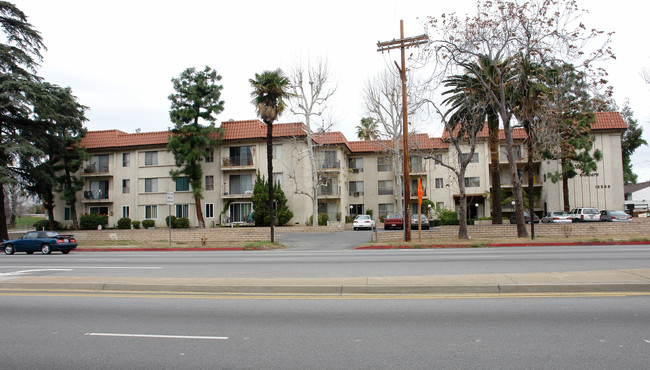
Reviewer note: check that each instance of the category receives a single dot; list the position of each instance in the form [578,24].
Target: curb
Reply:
[332,289]
[433,246]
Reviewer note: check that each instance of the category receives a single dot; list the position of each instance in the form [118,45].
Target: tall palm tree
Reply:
[470,83]
[270,88]
[368,129]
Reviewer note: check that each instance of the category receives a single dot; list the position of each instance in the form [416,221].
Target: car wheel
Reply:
[65,251]
[355,229]
[46,249]
[9,249]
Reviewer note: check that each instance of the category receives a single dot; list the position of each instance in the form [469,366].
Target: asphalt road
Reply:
[348,239]
[341,263]
[88,332]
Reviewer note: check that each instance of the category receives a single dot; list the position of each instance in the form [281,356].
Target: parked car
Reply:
[363,222]
[556,217]
[584,214]
[394,221]
[44,241]
[513,218]
[614,216]
[424,220]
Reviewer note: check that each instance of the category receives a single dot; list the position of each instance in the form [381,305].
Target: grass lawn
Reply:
[27,222]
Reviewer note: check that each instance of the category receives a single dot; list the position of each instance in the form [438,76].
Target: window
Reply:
[356,188]
[516,152]
[416,164]
[67,214]
[126,211]
[356,209]
[440,183]
[241,184]
[98,163]
[98,211]
[437,158]
[385,187]
[384,164]
[126,186]
[356,165]
[327,159]
[150,185]
[98,190]
[209,155]
[182,210]
[241,212]
[240,156]
[277,151]
[440,205]
[209,182]
[126,159]
[150,158]
[474,157]
[182,184]
[472,182]
[385,208]
[209,210]
[277,178]
[150,212]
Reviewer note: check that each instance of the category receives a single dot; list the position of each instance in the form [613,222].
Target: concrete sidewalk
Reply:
[625,280]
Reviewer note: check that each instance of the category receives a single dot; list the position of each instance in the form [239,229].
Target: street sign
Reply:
[170,198]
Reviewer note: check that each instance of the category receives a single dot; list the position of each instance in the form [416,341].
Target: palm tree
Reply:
[269,90]
[470,83]
[368,129]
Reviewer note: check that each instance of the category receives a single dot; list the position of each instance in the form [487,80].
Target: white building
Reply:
[128,175]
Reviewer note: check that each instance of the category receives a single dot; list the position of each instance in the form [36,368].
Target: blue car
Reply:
[44,241]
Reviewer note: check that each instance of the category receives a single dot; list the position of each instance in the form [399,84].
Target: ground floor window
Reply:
[98,210]
[182,210]
[241,212]
[356,209]
[385,208]
[150,212]
[209,210]
[126,212]
[67,214]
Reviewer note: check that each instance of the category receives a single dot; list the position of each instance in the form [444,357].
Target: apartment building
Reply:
[127,175]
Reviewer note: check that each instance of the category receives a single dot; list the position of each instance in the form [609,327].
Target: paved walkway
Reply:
[625,280]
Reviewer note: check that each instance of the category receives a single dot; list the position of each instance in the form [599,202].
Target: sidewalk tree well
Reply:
[196,99]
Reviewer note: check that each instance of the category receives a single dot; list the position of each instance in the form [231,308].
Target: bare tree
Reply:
[383,100]
[505,33]
[310,94]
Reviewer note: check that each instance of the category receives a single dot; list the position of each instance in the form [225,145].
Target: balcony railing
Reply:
[329,191]
[95,168]
[330,165]
[96,194]
[239,190]
[237,161]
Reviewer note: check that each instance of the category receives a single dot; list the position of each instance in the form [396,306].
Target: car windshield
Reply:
[363,217]
[590,211]
[559,214]
[394,215]
[617,213]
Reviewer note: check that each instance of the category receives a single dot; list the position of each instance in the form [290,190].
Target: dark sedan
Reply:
[424,220]
[513,218]
[44,241]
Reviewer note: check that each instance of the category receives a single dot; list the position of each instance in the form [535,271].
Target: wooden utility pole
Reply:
[402,43]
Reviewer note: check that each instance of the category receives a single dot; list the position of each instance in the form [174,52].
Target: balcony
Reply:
[94,169]
[329,192]
[328,166]
[237,163]
[414,192]
[240,191]
[417,168]
[356,194]
[95,196]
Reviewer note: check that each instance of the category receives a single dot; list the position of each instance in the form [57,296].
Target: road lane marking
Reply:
[154,336]
[89,267]
[23,272]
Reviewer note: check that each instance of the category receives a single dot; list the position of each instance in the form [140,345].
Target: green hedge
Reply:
[92,221]
[124,223]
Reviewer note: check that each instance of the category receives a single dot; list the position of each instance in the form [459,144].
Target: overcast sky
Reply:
[119,56]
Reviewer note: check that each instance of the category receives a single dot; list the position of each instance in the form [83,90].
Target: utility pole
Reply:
[402,43]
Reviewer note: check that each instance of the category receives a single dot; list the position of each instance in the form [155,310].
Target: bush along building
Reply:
[128,175]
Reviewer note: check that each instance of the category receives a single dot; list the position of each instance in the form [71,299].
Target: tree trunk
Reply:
[531,190]
[462,211]
[71,202]
[199,212]
[495,176]
[269,166]
[4,233]
[314,176]
[49,206]
[516,183]
[565,188]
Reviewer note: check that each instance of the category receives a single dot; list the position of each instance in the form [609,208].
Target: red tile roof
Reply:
[256,129]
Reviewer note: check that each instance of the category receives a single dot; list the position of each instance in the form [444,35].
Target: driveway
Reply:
[348,239]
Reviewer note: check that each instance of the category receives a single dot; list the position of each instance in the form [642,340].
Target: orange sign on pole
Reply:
[419,209]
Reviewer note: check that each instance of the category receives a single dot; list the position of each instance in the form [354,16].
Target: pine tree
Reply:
[261,215]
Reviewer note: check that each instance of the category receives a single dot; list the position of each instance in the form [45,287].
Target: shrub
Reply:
[136,224]
[182,223]
[382,218]
[369,212]
[173,221]
[148,223]
[322,219]
[92,221]
[124,223]
[348,220]
[45,224]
